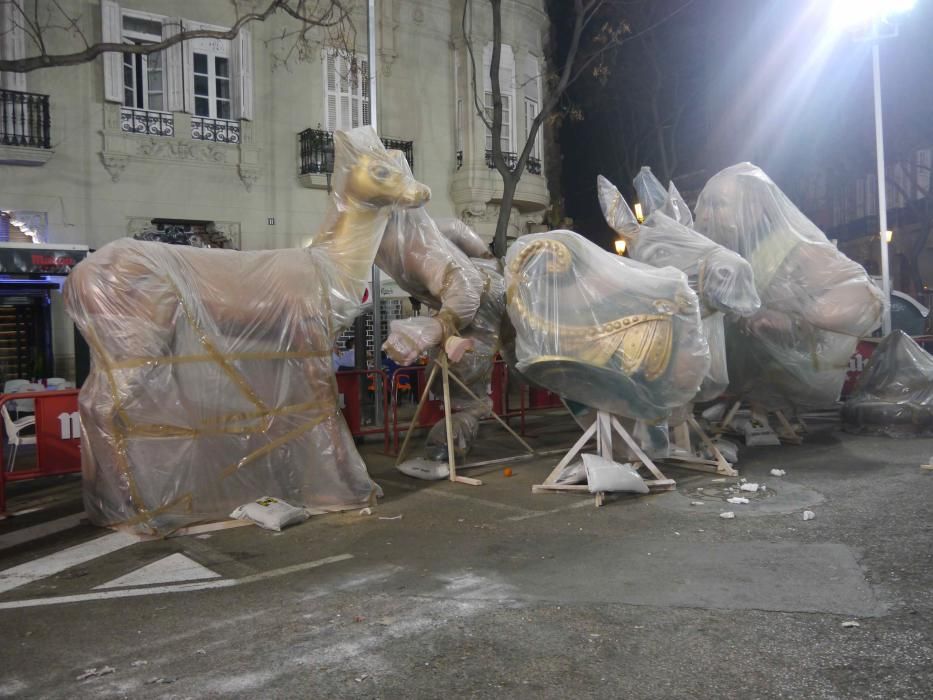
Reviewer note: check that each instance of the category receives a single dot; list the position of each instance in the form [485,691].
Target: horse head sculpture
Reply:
[722,279]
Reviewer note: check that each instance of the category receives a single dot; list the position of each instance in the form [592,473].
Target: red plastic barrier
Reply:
[58,437]
[349,386]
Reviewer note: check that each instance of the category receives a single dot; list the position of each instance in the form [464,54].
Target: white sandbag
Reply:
[270,513]
[605,475]
[427,469]
[574,473]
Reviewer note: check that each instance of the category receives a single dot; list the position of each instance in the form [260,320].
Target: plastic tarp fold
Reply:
[602,330]
[211,381]
[816,302]
[894,395]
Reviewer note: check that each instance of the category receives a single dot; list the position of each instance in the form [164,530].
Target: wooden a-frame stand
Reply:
[786,432]
[603,428]
[686,455]
[446,375]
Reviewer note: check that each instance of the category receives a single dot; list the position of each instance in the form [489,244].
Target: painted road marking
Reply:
[456,496]
[177,588]
[27,534]
[65,559]
[172,569]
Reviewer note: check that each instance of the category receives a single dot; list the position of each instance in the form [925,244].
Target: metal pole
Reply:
[882,199]
[374,121]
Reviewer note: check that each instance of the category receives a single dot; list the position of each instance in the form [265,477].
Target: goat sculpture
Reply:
[211,380]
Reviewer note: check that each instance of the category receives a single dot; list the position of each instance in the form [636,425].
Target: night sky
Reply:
[733,80]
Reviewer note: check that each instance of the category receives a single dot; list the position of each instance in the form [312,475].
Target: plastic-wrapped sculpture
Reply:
[721,278]
[211,381]
[604,331]
[447,267]
[815,301]
[894,395]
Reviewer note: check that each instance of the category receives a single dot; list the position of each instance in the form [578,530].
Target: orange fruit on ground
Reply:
[507,471]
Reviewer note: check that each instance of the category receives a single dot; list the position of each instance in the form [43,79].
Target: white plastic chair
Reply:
[55,383]
[27,405]
[11,386]
[13,429]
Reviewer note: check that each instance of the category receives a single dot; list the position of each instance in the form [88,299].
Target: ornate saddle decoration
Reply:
[638,343]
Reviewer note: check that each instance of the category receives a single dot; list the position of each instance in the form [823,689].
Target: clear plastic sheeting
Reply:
[798,272]
[816,302]
[653,198]
[602,330]
[211,381]
[433,270]
[721,277]
[431,261]
[894,395]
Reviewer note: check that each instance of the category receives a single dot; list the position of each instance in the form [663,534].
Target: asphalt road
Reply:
[492,592]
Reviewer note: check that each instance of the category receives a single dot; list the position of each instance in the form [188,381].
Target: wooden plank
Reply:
[414,421]
[467,480]
[445,380]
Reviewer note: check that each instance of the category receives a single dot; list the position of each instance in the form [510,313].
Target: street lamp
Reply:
[874,15]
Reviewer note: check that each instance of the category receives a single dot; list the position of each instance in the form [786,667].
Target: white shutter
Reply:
[365,113]
[187,70]
[12,45]
[173,67]
[111,30]
[243,75]
[330,90]
[507,85]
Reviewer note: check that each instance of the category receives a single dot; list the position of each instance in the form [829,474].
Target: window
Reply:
[142,74]
[532,90]
[12,45]
[210,78]
[507,88]
[346,88]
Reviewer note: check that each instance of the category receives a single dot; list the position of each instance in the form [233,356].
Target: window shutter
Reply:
[187,70]
[330,90]
[12,45]
[173,67]
[242,50]
[112,33]
[366,114]
[507,85]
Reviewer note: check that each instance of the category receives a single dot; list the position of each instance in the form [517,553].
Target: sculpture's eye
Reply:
[662,253]
[380,172]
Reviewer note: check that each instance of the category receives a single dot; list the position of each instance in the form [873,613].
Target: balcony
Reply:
[316,156]
[532,165]
[216,130]
[144,121]
[24,128]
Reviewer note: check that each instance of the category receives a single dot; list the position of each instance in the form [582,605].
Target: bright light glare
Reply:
[856,13]
[889,234]
[620,246]
[638,212]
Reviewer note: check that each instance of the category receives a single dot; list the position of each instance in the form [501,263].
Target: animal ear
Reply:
[615,209]
[676,207]
[651,193]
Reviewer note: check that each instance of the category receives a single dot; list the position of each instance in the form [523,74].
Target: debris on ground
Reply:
[270,513]
[778,472]
[96,673]
[851,623]
[698,503]
[737,500]
[749,487]
[507,472]
[394,517]
[160,681]
[808,515]
[366,511]
[359,618]
[362,678]
[137,664]
[728,515]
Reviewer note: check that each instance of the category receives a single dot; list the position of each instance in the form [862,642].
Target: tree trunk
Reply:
[500,241]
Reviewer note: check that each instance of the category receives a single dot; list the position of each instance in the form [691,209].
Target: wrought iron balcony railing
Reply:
[24,119]
[144,121]
[218,130]
[532,164]
[459,159]
[316,151]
